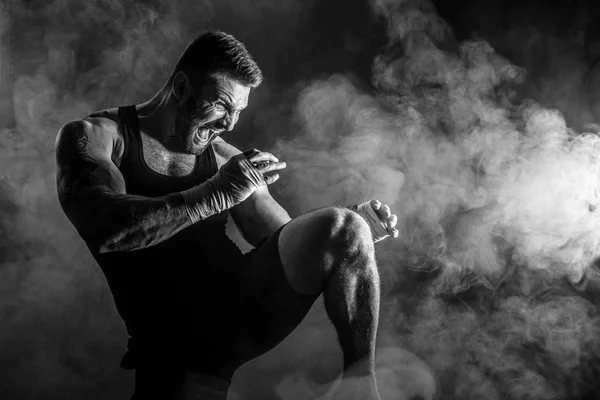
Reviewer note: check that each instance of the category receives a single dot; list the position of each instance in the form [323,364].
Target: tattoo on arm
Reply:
[92,193]
[78,170]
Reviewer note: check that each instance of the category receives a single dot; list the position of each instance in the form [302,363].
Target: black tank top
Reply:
[148,284]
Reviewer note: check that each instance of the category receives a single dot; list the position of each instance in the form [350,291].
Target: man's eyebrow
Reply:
[230,104]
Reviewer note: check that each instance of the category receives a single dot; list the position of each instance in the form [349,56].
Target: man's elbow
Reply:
[109,239]
[96,236]
[104,238]
[97,241]
[90,224]
[100,245]
[104,243]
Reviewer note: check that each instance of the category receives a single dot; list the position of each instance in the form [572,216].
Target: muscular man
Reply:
[149,187]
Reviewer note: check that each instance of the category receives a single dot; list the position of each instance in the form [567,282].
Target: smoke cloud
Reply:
[497,204]
[485,146]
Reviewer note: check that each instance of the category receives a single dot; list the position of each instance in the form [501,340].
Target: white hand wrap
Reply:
[206,199]
[378,230]
[233,183]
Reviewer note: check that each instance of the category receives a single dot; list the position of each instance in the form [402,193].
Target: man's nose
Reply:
[227,122]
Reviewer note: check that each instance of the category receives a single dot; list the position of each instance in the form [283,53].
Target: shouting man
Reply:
[149,188]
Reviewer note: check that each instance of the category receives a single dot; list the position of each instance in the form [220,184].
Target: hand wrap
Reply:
[233,183]
[378,230]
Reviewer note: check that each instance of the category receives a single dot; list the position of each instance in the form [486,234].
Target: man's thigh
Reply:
[270,308]
[253,307]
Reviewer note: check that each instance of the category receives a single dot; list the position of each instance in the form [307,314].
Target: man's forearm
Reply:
[254,230]
[259,217]
[120,222]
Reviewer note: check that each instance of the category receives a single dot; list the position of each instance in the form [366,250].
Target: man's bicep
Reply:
[84,169]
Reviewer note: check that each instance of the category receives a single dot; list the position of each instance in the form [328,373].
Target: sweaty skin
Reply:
[177,125]
[91,188]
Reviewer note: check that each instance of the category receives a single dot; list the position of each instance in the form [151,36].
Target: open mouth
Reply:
[205,135]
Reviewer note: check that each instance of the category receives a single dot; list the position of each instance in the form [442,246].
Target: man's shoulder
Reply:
[101,128]
[101,123]
[105,122]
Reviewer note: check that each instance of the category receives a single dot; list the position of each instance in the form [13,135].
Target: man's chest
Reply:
[165,162]
[148,171]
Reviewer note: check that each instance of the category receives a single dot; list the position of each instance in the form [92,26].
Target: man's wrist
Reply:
[378,229]
[205,200]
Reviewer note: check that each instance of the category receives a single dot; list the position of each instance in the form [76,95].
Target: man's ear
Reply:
[181,87]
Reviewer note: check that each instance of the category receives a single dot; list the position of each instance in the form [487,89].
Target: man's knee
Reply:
[315,245]
[346,234]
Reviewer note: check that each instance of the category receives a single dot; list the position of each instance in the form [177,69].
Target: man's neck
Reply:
[157,116]
[157,121]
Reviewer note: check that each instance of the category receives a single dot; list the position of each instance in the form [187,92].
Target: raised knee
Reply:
[348,233]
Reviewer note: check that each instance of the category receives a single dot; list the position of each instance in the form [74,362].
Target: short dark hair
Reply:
[219,52]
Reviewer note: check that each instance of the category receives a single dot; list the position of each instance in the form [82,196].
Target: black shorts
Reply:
[242,310]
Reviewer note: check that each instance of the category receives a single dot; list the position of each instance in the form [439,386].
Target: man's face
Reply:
[213,107]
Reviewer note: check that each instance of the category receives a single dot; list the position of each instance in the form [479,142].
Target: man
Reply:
[149,188]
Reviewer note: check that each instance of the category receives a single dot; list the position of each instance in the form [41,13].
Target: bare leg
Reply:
[330,251]
[352,303]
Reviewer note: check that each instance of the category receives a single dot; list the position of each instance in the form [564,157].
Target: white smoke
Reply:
[497,198]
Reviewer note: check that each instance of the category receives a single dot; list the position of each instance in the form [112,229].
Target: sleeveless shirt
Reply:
[151,286]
